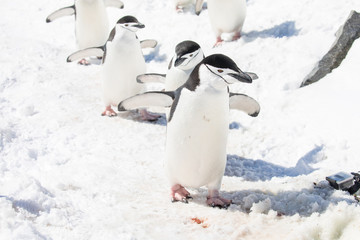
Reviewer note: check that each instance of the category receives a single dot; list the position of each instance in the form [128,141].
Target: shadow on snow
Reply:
[305,201]
[154,55]
[285,29]
[255,170]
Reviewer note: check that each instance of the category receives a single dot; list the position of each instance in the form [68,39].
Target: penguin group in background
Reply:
[197,128]
[226,16]
[123,61]
[91,21]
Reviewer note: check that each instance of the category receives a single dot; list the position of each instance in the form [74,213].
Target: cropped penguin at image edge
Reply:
[91,21]
[226,16]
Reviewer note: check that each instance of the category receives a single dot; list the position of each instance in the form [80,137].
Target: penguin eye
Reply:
[191,55]
[220,71]
[126,25]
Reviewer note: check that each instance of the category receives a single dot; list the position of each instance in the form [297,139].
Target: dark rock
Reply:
[346,35]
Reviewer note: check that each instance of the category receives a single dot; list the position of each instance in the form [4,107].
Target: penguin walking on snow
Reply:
[197,128]
[226,16]
[91,21]
[187,55]
[122,62]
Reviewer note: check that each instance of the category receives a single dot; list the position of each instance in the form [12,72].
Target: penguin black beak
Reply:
[242,77]
[179,61]
[139,25]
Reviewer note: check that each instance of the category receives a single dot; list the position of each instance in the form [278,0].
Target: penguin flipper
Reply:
[148,43]
[147,99]
[244,103]
[66,11]
[114,3]
[87,52]
[252,75]
[151,77]
[198,6]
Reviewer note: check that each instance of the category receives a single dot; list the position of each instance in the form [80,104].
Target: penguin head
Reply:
[226,69]
[130,23]
[217,71]
[187,55]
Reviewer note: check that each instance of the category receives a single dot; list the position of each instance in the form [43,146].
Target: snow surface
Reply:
[68,173]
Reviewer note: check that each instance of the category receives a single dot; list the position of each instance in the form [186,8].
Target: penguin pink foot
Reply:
[84,62]
[109,112]
[236,36]
[215,200]
[146,116]
[179,9]
[179,193]
[218,42]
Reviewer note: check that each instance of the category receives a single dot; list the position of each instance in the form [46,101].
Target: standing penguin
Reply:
[187,55]
[122,62]
[226,16]
[197,128]
[179,4]
[91,21]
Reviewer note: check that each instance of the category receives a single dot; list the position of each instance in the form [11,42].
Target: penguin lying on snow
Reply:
[91,21]
[122,62]
[197,127]
[226,16]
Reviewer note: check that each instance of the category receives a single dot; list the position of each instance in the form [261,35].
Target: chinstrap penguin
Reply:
[187,55]
[226,16]
[122,62]
[197,128]
[91,21]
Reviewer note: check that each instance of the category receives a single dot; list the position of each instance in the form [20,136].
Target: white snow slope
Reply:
[68,173]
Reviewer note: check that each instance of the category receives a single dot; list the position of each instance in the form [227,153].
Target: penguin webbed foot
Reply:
[214,200]
[236,36]
[179,9]
[218,42]
[147,116]
[84,62]
[218,202]
[180,194]
[184,199]
[109,112]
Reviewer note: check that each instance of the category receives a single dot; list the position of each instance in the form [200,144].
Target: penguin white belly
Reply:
[227,15]
[175,78]
[196,140]
[121,67]
[91,24]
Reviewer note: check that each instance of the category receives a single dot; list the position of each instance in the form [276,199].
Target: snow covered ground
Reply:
[68,173]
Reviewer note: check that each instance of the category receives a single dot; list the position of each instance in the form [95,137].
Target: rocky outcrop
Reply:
[346,35]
